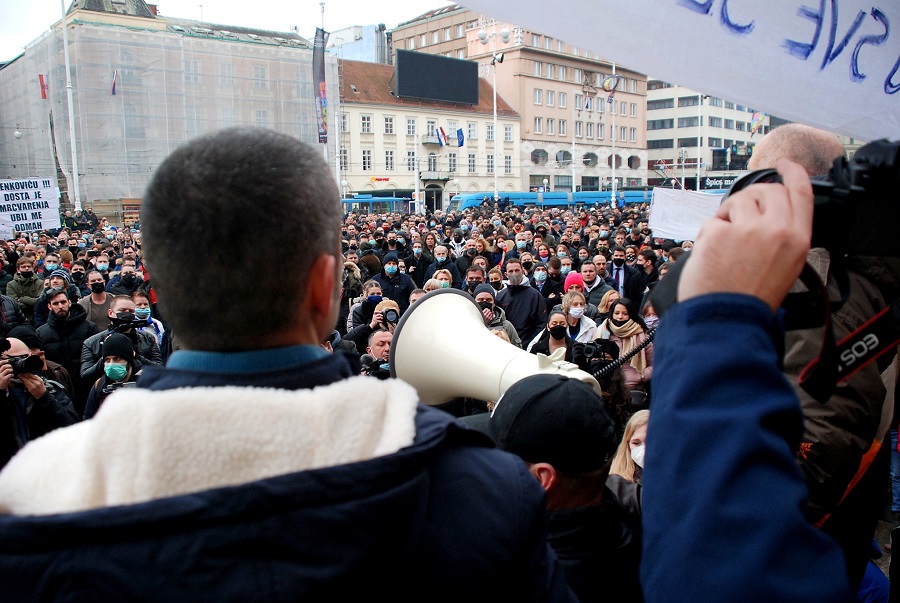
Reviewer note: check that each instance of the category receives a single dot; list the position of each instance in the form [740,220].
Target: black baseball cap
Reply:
[554,419]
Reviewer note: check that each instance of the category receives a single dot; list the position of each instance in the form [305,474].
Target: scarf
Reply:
[628,333]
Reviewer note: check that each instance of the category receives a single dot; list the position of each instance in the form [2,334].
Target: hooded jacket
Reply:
[63,338]
[309,513]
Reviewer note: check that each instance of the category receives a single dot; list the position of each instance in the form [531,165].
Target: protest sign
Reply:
[28,205]
[677,214]
[833,65]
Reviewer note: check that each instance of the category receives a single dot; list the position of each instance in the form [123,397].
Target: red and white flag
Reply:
[44,86]
[442,137]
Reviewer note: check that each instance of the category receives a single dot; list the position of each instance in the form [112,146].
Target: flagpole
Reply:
[70,99]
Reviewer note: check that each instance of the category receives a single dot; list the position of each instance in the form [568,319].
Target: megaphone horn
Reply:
[443,349]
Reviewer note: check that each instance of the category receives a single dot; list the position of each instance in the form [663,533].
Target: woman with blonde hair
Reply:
[444,277]
[629,459]
[581,328]
[432,284]
[605,304]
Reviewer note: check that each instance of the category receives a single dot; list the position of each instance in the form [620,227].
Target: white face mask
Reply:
[576,312]
[637,455]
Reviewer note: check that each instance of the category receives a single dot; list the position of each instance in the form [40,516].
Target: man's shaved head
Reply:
[813,149]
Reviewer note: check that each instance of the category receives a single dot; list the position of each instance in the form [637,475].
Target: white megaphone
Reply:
[443,349]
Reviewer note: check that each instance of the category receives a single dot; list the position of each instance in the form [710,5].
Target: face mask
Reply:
[486,305]
[472,284]
[457,238]
[129,279]
[464,228]
[565,270]
[142,313]
[98,287]
[630,258]
[496,223]
[582,257]
[651,321]
[540,277]
[470,251]
[110,237]
[26,274]
[125,316]
[558,332]
[373,299]
[637,455]
[516,280]
[116,372]
[544,255]
[521,244]
[417,251]
[78,276]
[102,267]
[576,312]
[604,233]
[440,259]
[445,285]
[618,323]
[390,270]
[497,285]
[51,267]
[527,265]
[401,241]
[562,254]
[74,249]
[432,223]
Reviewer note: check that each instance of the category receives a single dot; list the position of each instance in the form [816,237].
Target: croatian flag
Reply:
[460,139]
[442,137]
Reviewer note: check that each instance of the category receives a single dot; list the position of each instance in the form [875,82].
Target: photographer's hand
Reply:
[377,319]
[34,384]
[6,374]
[773,221]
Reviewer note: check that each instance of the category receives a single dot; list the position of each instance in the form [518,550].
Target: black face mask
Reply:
[497,285]
[558,332]
[129,279]
[486,305]
[457,238]
[27,275]
[527,265]
[98,287]
[78,276]
[472,284]
[618,323]
[471,251]
[619,262]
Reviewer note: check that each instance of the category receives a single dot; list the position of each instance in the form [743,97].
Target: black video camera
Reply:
[24,364]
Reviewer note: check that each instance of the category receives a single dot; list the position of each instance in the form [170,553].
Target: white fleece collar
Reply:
[145,445]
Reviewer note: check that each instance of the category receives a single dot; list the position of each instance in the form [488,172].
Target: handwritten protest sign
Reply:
[677,214]
[832,64]
[28,205]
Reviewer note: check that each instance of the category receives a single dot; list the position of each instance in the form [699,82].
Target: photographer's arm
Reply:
[721,471]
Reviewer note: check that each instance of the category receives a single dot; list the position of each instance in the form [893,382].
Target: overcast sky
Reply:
[21,21]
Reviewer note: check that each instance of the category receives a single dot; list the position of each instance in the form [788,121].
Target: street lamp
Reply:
[495,58]
[456,184]
[344,186]
[700,98]
[546,183]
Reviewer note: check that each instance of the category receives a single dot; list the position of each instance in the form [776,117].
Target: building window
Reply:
[507,164]
[432,162]
[344,122]
[548,43]
[447,36]
[460,30]
[664,103]
[715,101]
[538,96]
[536,41]
[661,144]
[729,105]
[423,41]
[471,163]
[612,134]
[715,143]
[729,124]
[410,126]
[260,77]
[226,75]
[715,122]
[562,183]
[410,161]
[490,163]
[551,126]
[451,162]
[367,160]
[561,72]
[191,71]
[538,68]
[388,124]
[623,133]
[589,104]
[507,133]
[589,130]
[688,142]
[262,118]
[660,124]
[411,44]
[632,85]
[551,98]
[623,108]
[451,129]
[577,73]
[434,37]
[634,109]
[473,130]
[345,159]
[490,132]
[538,125]
[688,101]
[560,46]
[430,128]
[579,129]
[601,131]
[688,122]
[632,134]
[612,107]
[562,100]
[740,126]
[460,54]
[551,69]
[365,124]
[389,161]
[579,102]
[562,127]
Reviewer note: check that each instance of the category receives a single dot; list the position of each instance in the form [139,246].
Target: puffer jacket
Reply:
[12,314]
[146,353]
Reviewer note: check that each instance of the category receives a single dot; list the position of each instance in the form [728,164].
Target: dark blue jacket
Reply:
[447,518]
[723,495]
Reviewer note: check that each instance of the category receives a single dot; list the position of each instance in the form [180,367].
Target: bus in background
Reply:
[570,200]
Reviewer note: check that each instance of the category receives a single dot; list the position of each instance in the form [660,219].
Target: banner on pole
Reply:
[677,214]
[319,82]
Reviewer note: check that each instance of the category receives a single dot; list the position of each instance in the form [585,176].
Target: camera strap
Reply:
[609,368]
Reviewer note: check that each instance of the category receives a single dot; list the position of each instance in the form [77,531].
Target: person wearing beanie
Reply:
[494,316]
[394,284]
[58,279]
[118,369]
[573,278]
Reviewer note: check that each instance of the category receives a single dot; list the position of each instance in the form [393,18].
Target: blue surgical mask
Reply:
[540,276]
[565,270]
[51,267]
[521,244]
[561,254]
[445,285]
[142,313]
[401,240]
[417,251]
[373,299]
[440,258]
[102,267]
[390,270]
[116,372]
[604,233]
[496,223]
